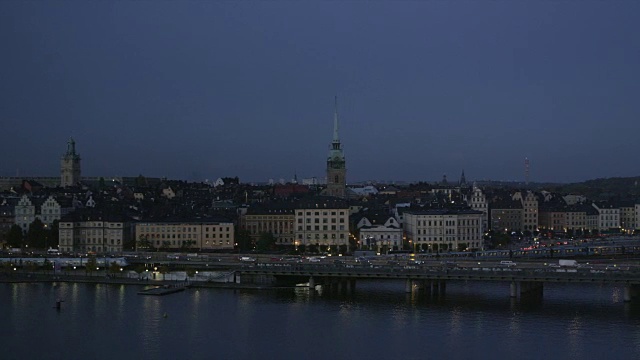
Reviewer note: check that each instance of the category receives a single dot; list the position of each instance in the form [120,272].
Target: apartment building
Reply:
[443,229]
[322,221]
[183,234]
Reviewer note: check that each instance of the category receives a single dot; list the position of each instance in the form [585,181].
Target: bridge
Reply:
[527,280]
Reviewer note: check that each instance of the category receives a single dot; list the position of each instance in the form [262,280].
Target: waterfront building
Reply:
[336,164]
[628,217]
[593,218]
[506,215]
[398,211]
[382,232]
[273,219]
[529,203]
[92,231]
[477,200]
[608,217]
[213,234]
[47,210]
[439,230]
[25,212]
[576,218]
[322,221]
[70,166]
[553,217]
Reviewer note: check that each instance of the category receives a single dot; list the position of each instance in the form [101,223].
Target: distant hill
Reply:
[604,189]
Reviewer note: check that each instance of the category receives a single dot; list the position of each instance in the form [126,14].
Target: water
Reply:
[380,321]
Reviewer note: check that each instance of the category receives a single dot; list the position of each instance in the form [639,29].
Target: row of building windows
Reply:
[324,213]
[184,236]
[324,236]
[182,229]
[324,227]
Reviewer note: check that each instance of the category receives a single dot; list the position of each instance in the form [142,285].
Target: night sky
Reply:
[206,89]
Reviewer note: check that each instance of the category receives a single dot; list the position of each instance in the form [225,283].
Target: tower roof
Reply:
[71,150]
[336,148]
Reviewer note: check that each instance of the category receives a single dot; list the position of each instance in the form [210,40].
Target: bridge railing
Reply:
[542,272]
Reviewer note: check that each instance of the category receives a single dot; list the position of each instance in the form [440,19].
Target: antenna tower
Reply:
[526,171]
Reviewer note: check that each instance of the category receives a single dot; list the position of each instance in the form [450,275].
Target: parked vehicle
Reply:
[568,263]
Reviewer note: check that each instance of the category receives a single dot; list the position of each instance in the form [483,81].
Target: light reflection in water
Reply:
[377,321]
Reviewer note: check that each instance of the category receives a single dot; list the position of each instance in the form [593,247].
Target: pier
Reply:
[162,290]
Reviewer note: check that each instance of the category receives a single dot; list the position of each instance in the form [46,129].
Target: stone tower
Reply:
[336,165]
[70,166]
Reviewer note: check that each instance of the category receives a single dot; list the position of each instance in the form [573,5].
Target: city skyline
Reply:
[203,90]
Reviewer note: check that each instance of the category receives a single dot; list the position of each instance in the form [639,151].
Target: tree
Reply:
[14,236]
[163,270]
[47,265]
[139,270]
[313,248]
[141,181]
[243,238]
[144,243]
[31,267]
[166,244]
[7,268]
[35,234]
[114,269]
[52,234]
[191,272]
[266,242]
[569,233]
[187,244]
[343,249]
[91,265]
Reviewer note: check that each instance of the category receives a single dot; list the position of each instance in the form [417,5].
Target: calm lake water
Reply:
[379,321]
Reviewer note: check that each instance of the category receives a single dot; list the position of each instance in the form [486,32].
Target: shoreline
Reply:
[40,278]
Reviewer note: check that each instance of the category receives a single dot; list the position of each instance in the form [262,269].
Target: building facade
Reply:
[608,217]
[322,223]
[628,218]
[529,203]
[553,218]
[383,238]
[445,230]
[478,201]
[214,235]
[92,233]
[49,210]
[506,216]
[277,221]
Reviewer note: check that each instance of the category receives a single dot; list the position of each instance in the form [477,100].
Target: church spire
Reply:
[463,180]
[71,147]
[336,138]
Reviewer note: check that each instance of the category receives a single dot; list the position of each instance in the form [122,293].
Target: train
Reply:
[564,251]
[62,261]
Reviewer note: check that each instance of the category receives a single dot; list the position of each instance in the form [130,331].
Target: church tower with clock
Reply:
[336,165]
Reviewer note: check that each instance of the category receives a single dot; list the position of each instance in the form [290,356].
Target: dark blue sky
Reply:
[204,89]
